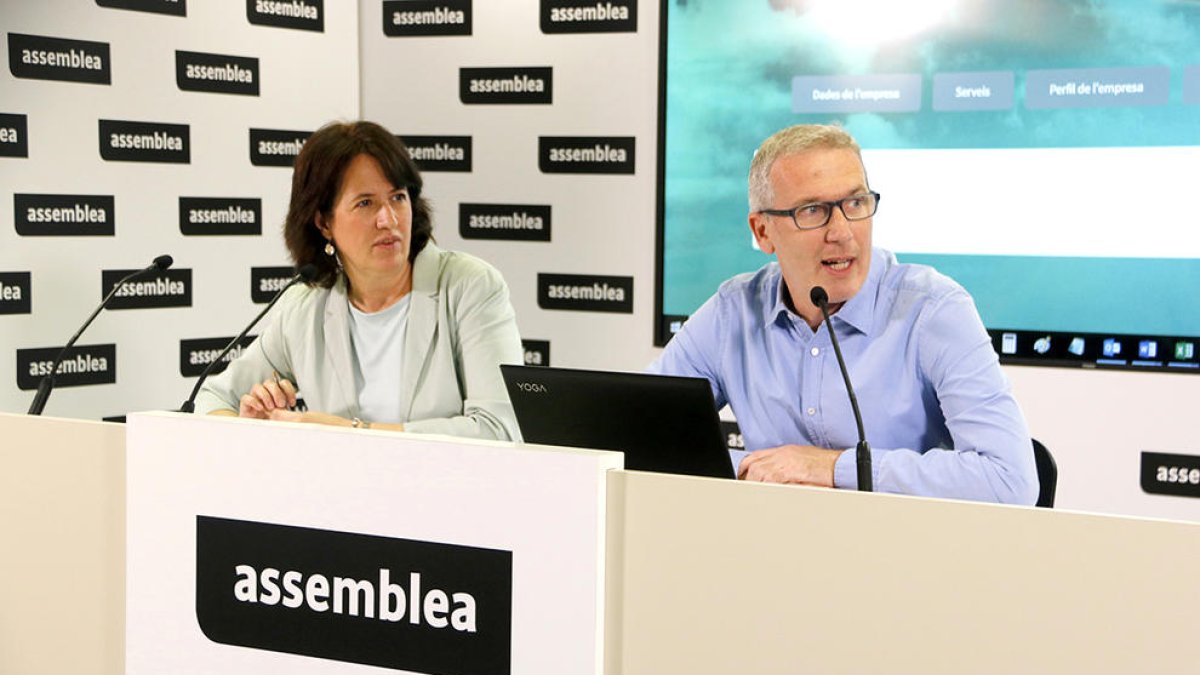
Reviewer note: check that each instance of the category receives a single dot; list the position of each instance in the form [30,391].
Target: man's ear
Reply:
[758,227]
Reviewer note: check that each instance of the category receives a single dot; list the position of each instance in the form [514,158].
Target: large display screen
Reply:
[1043,153]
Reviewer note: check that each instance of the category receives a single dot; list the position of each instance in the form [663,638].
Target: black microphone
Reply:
[306,273]
[863,452]
[46,385]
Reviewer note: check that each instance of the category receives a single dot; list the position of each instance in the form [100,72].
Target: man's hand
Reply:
[803,464]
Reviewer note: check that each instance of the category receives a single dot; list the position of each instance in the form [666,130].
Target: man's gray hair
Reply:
[791,141]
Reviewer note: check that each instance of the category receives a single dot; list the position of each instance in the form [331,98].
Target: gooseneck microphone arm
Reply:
[863,451]
[306,273]
[46,385]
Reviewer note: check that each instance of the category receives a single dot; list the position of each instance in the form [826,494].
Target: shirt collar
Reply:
[858,311]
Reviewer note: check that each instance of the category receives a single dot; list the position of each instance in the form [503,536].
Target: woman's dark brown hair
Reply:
[317,177]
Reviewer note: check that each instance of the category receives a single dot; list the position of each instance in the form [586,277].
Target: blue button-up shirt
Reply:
[938,412]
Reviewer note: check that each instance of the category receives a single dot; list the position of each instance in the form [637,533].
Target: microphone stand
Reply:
[46,385]
[305,273]
[862,451]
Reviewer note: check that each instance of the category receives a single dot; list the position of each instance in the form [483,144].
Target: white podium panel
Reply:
[710,577]
[62,546]
[258,547]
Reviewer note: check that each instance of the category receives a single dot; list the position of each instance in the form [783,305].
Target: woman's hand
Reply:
[275,394]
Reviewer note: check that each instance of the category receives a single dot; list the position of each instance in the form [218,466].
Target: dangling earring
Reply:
[329,249]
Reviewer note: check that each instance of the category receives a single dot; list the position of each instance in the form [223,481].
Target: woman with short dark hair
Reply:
[393,332]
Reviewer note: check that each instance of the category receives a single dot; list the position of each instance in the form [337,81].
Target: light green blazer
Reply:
[461,327]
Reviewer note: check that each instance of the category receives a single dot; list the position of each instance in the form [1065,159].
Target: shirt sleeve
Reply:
[992,456]
[695,351]
[486,327]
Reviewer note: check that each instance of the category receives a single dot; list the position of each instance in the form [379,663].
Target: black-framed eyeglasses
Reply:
[816,215]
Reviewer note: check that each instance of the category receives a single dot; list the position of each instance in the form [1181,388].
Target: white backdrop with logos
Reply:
[303,78]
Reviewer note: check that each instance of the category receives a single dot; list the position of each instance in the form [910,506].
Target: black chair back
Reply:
[1047,472]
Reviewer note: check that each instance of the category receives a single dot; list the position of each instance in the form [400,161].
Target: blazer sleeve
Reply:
[483,327]
[269,352]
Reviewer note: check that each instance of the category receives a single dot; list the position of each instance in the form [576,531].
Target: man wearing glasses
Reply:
[937,410]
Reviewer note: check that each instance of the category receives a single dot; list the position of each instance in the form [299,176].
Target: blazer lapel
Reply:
[339,353]
[422,322]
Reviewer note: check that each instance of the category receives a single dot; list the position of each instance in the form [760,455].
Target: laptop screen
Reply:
[662,423]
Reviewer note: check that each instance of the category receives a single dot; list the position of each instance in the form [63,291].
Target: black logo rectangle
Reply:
[171,7]
[14,135]
[733,435]
[1171,474]
[216,73]
[586,154]
[15,293]
[298,14]
[165,288]
[64,215]
[537,352]
[82,365]
[584,16]
[265,282]
[440,153]
[195,355]
[49,58]
[506,85]
[200,216]
[514,222]
[124,141]
[409,605]
[408,18]
[276,147]
[585,293]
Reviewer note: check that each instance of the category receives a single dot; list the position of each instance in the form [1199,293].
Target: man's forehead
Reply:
[819,169]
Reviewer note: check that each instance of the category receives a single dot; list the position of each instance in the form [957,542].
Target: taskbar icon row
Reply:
[1097,350]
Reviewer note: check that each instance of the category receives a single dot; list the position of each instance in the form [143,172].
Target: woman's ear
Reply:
[323,228]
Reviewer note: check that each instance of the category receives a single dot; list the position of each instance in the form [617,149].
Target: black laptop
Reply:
[661,423]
